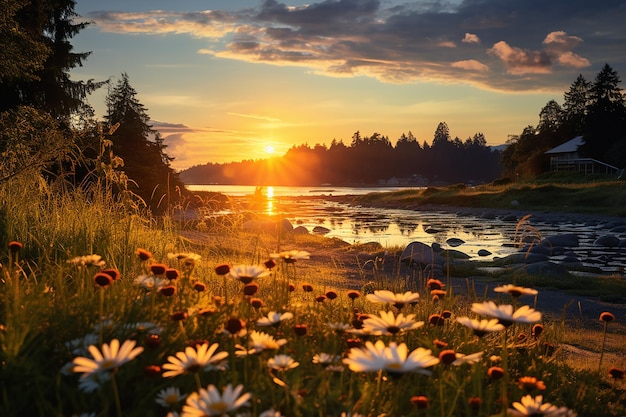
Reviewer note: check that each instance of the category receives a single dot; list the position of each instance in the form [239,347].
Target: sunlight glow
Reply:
[269,149]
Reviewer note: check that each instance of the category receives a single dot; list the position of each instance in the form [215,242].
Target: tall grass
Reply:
[52,312]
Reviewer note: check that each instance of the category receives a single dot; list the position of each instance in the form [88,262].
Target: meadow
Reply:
[107,311]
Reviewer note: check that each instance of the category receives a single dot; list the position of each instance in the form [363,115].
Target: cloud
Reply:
[405,42]
[471,65]
[470,38]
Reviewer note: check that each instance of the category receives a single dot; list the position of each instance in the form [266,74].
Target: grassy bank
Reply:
[551,192]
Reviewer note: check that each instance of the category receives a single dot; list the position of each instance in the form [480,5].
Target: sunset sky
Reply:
[224,80]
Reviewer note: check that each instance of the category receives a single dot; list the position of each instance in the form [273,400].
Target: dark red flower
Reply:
[199,286]
[143,254]
[307,287]
[300,329]
[15,246]
[447,356]
[607,316]
[172,273]
[222,269]
[234,325]
[179,315]
[158,269]
[419,401]
[153,341]
[168,290]
[113,273]
[331,295]
[495,372]
[616,373]
[102,280]
[152,371]
[353,295]
[250,289]
[270,263]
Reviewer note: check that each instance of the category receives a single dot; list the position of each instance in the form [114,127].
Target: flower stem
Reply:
[116,395]
[602,348]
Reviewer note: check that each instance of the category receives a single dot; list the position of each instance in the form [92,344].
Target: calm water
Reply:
[396,227]
[390,228]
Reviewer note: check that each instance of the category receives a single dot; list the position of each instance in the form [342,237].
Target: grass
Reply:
[564,192]
[52,311]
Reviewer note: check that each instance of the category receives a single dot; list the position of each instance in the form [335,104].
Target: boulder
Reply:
[454,254]
[321,230]
[455,241]
[523,258]
[543,268]
[483,252]
[568,240]
[608,241]
[300,230]
[422,254]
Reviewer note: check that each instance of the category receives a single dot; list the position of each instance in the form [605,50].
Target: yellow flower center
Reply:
[107,364]
[171,399]
[394,366]
[219,406]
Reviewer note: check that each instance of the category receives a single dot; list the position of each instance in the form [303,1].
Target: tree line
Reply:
[595,110]
[367,160]
[47,127]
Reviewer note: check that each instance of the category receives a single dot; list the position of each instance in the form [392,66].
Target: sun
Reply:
[269,149]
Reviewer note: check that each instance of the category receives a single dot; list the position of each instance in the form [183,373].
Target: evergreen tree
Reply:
[575,107]
[48,25]
[605,125]
[141,148]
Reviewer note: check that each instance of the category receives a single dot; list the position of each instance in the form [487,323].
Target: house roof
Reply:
[569,146]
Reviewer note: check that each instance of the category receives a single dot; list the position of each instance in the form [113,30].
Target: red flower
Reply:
[172,273]
[15,246]
[495,372]
[616,373]
[179,315]
[353,295]
[447,356]
[300,329]
[152,371]
[158,269]
[270,263]
[307,287]
[419,401]
[222,269]
[113,273]
[199,286]
[250,289]
[331,295]
[143,254]
[607,316]
[102,280]
[168,290]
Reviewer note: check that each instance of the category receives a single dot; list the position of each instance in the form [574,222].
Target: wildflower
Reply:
[607,317]
[616,373]
[474,403]
[235,326]
[149,282]
[505,313]
[438,293]
[434,284]
[143,254]
[199,286]
[209,402]
[537,330]
[193,360]
[353,294]
[158,269]
[247,273]
[300,329]
[250,289]
[169,397]
[515,290]
[446,314]
[273,318]
[339,327]
[172,274]
[535,407]
[394,359]
[447,356]
[292,287]
[495,372]
[179,315]
[325,359]
[481,327]
[440,343]
[291,256]
[112,356]
[259,341]
[257,303]
[282,363]
[419,401]
[270,263]
[469,359]
[88,260]
[397,300]
[436,320]
[185,258]
[530,383]
[167,290]
[153,341]
[331,295]
[307,287]
[113,273]
[102,280]
[222,269]
[387,324]
[15,246]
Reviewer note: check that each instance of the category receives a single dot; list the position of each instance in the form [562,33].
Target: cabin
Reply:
[565,157]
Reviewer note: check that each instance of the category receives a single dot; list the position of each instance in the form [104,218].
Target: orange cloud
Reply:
[470,38]
[470,65]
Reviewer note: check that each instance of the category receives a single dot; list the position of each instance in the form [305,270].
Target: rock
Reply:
[300,230]
[618,229]
[454,242]
[543,268]
[515,203]
[608,241]
[422,254]
[523,258]
[436,247]
[509,218]
[484,252]
[569,240]
[432,231]
[454,254]
[321,230]
[540,249]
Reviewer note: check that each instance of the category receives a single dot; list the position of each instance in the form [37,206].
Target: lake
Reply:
[493,231]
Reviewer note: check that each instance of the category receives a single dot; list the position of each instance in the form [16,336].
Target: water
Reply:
[394,228]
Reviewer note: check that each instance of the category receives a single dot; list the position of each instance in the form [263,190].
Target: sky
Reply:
[229,80]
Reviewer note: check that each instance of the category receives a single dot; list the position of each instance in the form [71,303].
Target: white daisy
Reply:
[112,356]
[282,363]
[247,273]
[193,360]
[396,299]
[169,397]
[481,327]
[388,324]
[535,407]
[273,318]
[505,313]
[515,290]
[209,402]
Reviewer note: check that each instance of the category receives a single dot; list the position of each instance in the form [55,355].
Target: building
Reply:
[565,157]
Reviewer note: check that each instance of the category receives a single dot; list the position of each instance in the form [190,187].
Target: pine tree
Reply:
[141,147]
[575,107]
[47,25]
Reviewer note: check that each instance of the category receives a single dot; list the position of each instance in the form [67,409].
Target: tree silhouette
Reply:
[141,147]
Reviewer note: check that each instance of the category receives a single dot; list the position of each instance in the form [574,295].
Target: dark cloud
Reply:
[505,45]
